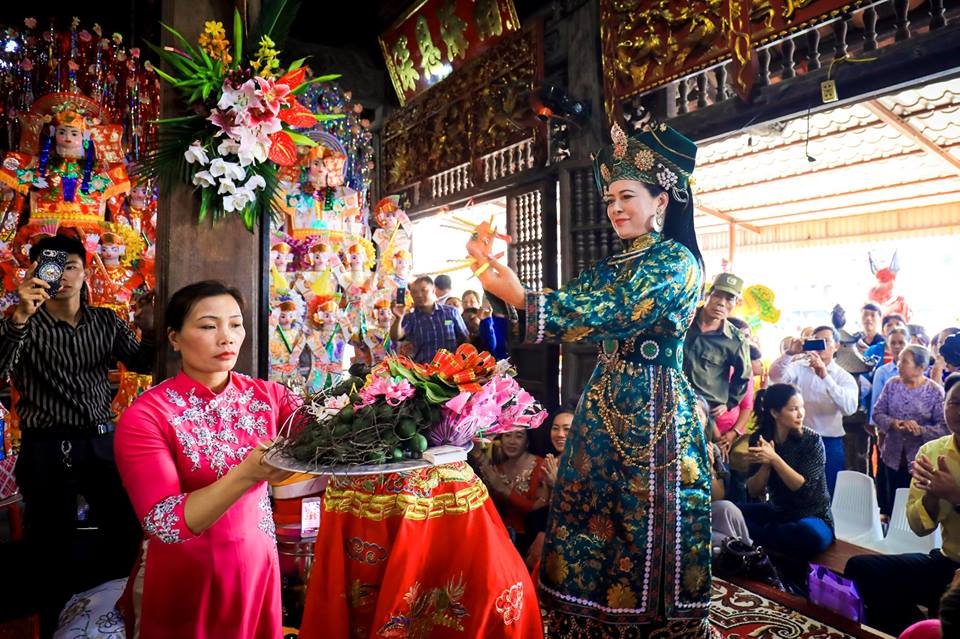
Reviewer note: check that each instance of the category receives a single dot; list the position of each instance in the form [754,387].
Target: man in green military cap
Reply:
[717,356]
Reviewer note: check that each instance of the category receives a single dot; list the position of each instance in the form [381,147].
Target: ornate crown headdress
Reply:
[658,155]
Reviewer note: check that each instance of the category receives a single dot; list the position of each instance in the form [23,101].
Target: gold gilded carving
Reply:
[429,53]
[407,75]
[471,113]
[486,17]
[452,31]
[648,43]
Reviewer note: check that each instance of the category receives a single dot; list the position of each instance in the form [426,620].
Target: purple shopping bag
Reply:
[833,592]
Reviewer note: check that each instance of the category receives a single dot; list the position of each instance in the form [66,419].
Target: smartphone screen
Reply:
[814,344]
[401,295]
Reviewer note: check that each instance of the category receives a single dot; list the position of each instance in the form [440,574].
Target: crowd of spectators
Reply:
[831,400]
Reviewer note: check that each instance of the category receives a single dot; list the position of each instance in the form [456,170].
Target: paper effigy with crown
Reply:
[70,163]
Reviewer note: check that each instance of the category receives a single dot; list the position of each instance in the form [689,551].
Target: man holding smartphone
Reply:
[431,326]
[829,392]
[57,351]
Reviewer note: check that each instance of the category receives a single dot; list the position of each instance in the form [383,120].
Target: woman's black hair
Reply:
[678,225]
[773,398]
[183,301]
[540,441]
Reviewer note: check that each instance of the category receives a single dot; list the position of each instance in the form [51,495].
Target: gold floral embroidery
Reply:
[428,609]
[556,567]
[562,533]
[639,486]
[621,596]
[642,309]
[625,564]
[576,334]
[693,578]
[689,470]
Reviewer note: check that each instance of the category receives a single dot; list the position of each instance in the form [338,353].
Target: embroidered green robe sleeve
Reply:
[619,297]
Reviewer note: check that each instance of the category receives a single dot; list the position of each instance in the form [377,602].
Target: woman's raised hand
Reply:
[480,243]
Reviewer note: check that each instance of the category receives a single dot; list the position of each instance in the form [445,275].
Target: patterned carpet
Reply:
[738,613]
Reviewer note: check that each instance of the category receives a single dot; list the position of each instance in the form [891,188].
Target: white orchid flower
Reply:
[204,179]
[255,182]
[218,168]
[231,204]
[196,153]
[227,147]
[227,186]
[234,171]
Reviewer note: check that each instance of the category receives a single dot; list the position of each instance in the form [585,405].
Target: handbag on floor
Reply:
[833,592]
[738,558]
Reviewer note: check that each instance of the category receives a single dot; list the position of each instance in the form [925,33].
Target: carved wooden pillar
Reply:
[188,251]
[585,79]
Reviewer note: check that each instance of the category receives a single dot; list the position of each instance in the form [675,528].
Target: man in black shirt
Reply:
[57,352]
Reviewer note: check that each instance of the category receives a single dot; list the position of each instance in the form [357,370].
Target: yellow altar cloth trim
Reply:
[380,507]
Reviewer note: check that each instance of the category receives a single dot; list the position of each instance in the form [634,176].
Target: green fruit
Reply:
[406,429]
[419,443]
[397,455]
[346,413]
[342,429]
[385,411]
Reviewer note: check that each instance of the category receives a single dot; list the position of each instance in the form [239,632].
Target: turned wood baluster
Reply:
[763,60]
[581,179]
[787,49]
[840,38]
[721,74]
[591,239]
[682,95]
[702,90]
[901,8]
[937,18]
[870,29]
[813,46]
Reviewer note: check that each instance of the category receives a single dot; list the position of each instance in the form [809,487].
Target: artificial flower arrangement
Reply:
[241,116]
[402,408]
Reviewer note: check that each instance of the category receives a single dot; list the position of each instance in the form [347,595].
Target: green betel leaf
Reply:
[296,64]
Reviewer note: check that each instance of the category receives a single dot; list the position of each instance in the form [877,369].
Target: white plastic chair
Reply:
[856,514]
[900,537]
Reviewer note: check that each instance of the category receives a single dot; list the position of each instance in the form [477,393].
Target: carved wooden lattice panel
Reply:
[532,221]
[586,237]
[527,217]
[586,227]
